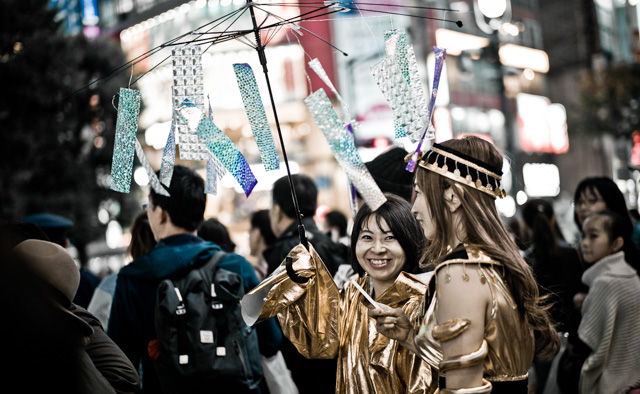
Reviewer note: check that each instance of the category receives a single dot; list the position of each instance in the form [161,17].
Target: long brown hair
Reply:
[485,231]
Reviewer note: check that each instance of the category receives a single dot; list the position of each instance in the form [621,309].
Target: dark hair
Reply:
[142,239]
[306,192]
[186,204]
[337,219]
[613,224]
[396,212]
[486,231]
[260,220]
[538,215]
[214,231]
[612,196]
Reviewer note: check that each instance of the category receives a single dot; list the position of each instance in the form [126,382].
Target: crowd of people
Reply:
[430,293]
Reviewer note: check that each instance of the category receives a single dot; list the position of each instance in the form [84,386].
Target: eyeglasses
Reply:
[589,202]
[145,207]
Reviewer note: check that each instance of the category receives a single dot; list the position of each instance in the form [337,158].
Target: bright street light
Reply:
[492,8]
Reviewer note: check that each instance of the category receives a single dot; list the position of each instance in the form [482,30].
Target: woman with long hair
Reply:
[485,322]
[325,322]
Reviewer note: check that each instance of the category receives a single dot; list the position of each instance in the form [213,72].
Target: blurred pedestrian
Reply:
[388,170]
[336,227]
[174,221]
[142,242]
[610,323]
[260,238]
[214,231]
[55,266]
[56,228]
[557,269]
[45,340]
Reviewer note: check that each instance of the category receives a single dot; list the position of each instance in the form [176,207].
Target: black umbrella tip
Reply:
[459,23]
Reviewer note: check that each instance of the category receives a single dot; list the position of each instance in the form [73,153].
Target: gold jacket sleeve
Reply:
[308,312]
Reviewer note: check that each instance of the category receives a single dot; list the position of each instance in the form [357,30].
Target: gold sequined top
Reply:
[323,322]
[510,340]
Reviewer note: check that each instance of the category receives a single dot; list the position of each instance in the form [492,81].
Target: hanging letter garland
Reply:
[220,145]
[440,56]
[188,84]
[398,78]
[153,178]
[343,147]
[169,155]
[257,117]
[124,146]
[211,185]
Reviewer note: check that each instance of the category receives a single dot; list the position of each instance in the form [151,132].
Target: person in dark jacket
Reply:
[284,223]
[558,271]
[55,266]
[317,376]
[51,263]
[174,221]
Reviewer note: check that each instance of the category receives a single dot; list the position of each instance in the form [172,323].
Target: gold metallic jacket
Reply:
[510,340]
[323,322]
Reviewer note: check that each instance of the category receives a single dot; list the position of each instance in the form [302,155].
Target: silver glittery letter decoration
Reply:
[257,117]
[126,128]
[343,147]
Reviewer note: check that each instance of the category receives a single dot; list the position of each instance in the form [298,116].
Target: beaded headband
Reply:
[463,169]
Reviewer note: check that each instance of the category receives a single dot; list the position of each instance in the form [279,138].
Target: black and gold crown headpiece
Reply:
[463,169]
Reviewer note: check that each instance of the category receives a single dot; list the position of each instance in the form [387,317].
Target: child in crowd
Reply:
[610,323]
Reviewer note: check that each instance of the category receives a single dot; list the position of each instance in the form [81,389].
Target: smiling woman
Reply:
[325,322]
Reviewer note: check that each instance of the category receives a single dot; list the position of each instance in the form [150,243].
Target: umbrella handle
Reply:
[294,277]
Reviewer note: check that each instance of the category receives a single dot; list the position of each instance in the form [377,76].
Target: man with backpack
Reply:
[179,263]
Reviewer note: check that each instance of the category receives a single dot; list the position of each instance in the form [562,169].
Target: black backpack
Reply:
[204,344]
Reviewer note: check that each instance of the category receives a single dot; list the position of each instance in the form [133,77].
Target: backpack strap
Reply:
[181,311]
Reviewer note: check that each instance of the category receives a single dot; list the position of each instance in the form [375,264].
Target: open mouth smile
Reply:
[378,263]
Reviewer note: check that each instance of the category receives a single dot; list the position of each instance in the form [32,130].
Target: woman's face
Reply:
[378,251]
[422,213]
[590,201]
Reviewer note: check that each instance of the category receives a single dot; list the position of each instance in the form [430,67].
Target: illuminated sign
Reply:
[542,126]
[541,180]
[523,57]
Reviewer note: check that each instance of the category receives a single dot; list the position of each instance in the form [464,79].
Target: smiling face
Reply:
[596,242]
[422,213]
[379,253]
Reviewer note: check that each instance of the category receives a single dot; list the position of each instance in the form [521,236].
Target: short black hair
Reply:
[213,231]
[306,193]
[337,219]
[404,226]
[260,220]
[187,202]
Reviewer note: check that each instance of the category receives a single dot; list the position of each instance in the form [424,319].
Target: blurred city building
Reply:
[513,73]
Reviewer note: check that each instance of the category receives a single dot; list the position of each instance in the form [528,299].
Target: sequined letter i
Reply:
[124,147]
[257,117]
